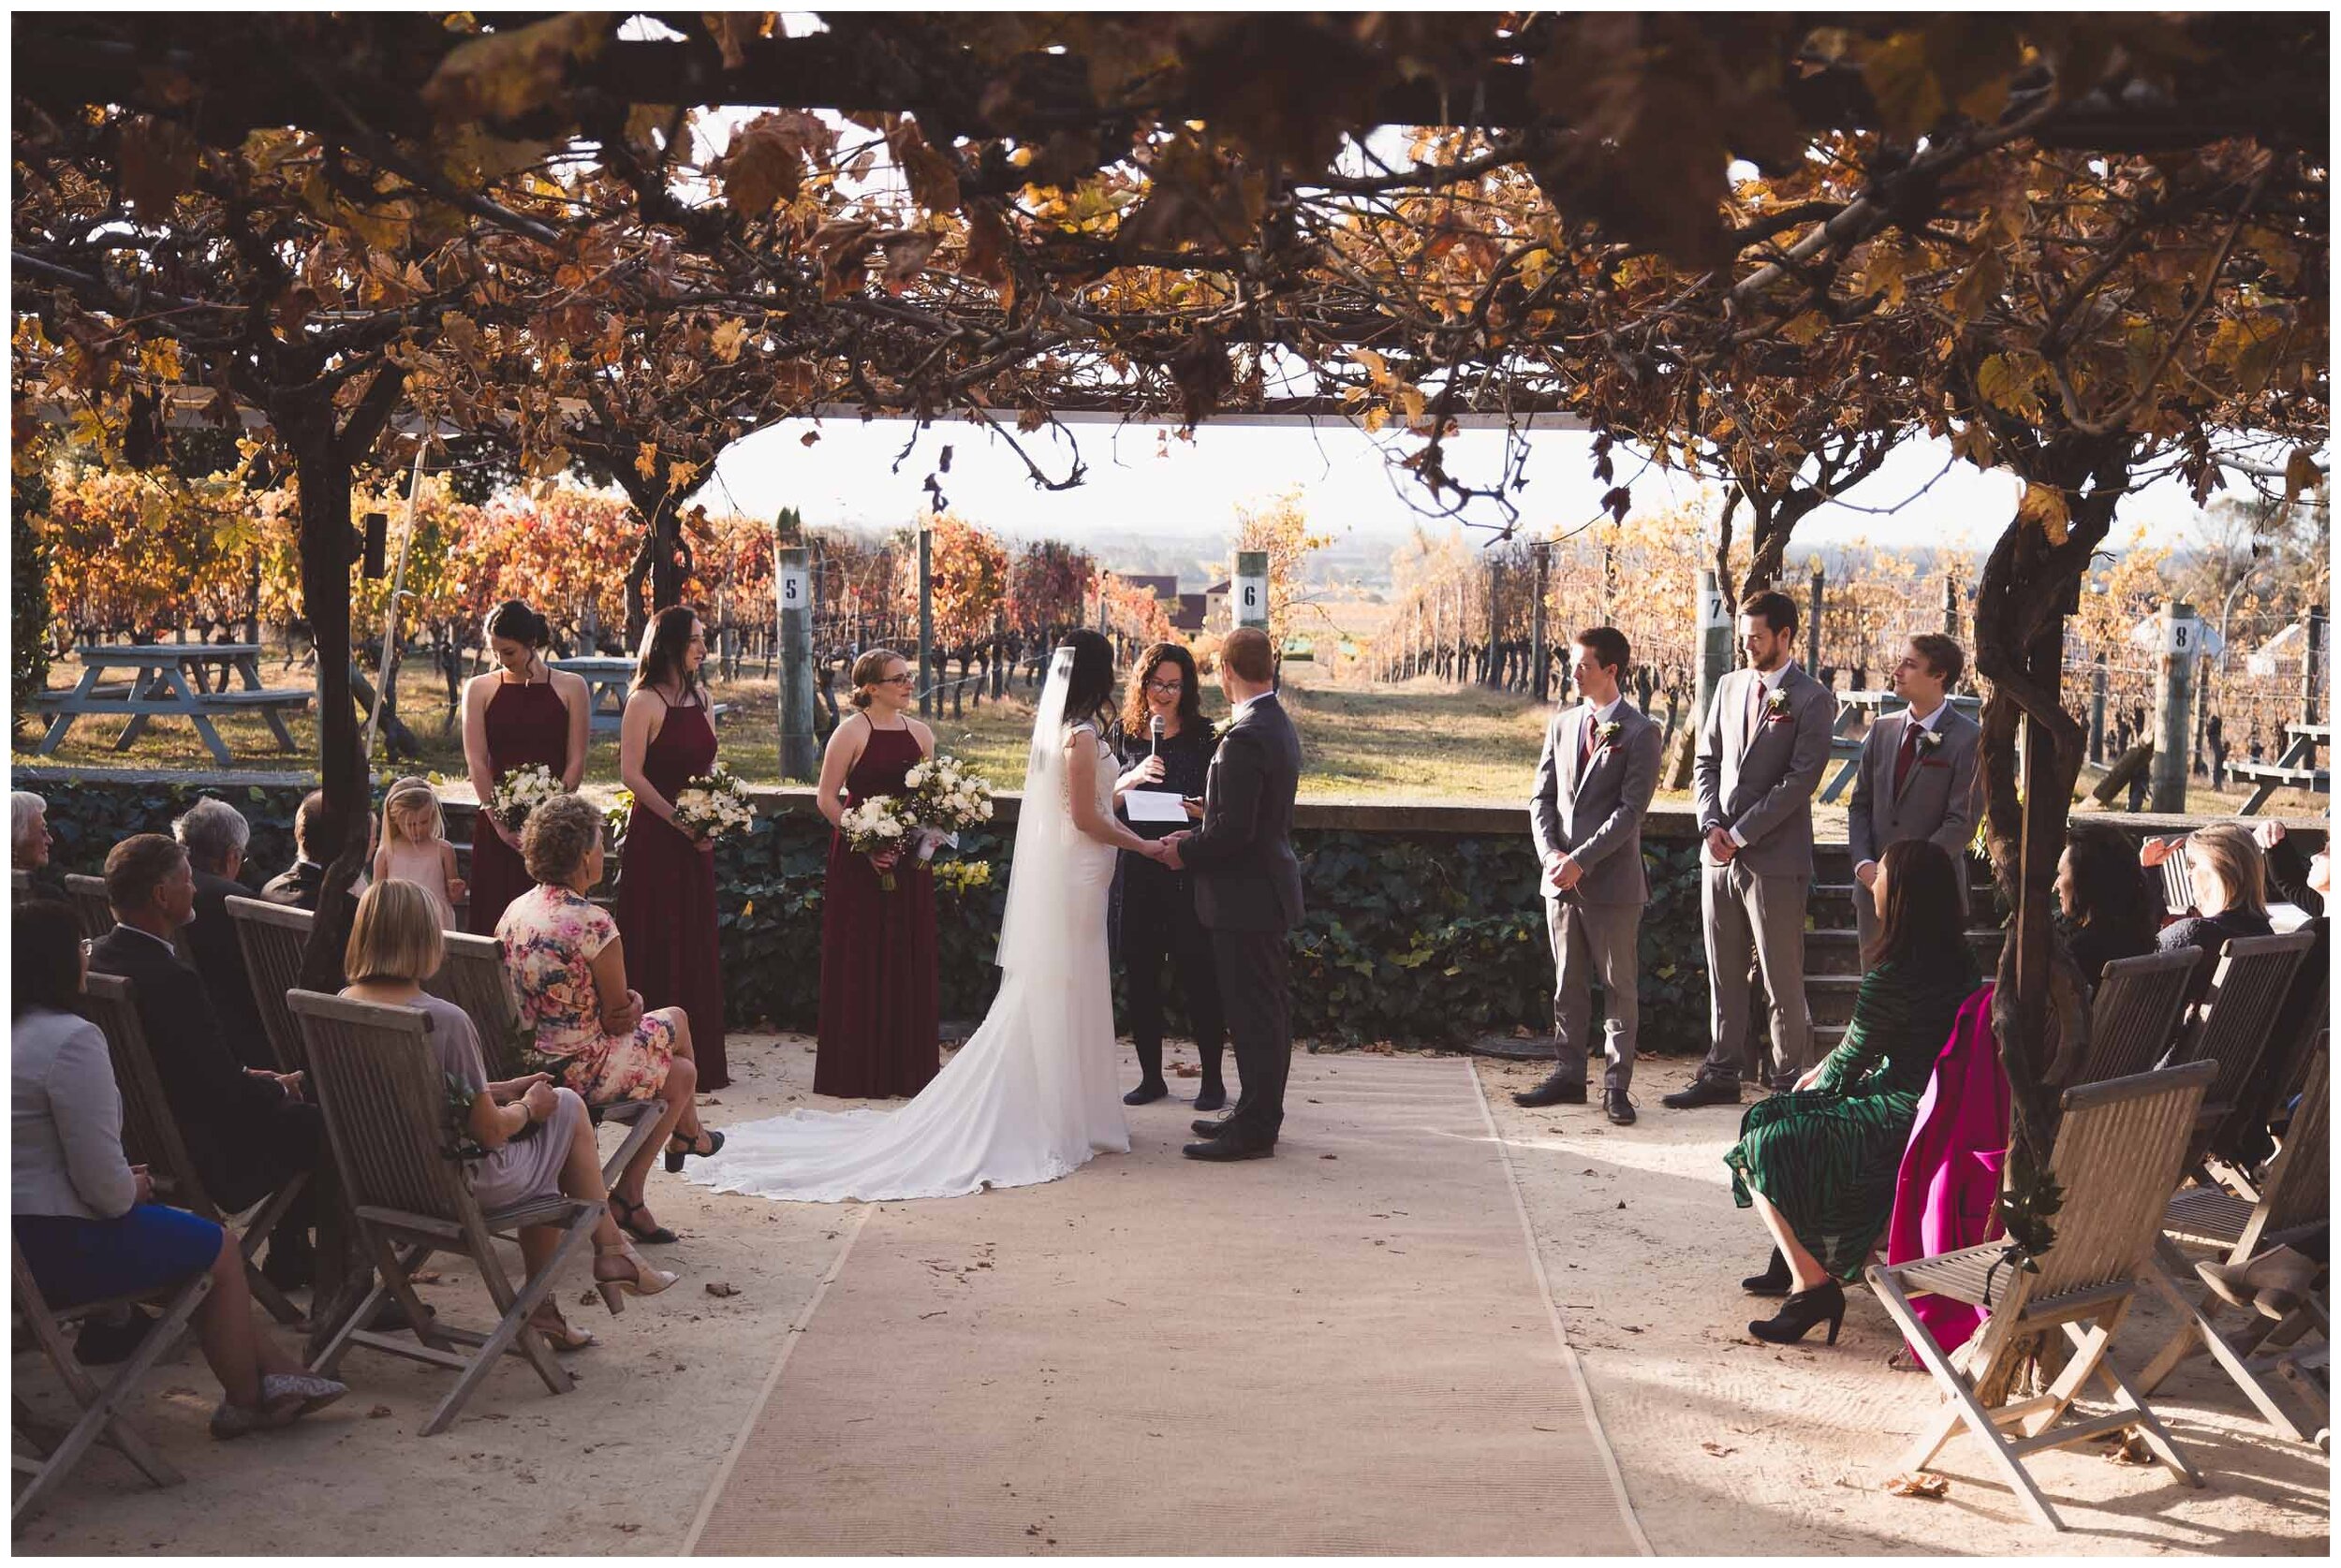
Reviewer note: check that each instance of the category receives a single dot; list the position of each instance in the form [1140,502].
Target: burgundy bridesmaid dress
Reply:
[877,1029]
[666,908]
[527,722]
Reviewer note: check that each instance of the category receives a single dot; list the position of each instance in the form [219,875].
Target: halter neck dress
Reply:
[666,907]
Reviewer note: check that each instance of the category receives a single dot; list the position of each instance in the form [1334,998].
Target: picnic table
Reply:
[171,680]
[1865,709]
[2296,769]
[607,679]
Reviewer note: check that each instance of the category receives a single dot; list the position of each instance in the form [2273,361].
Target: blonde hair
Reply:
[411,795]
[868,670]
[395,936]
[2236,861]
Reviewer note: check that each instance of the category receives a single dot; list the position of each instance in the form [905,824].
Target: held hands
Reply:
[1866,874]
[1719,846]
[288,1082]
[1167,851]
[886,860]
[143,1192]
[621,1018]
[1565,871]
[540,1099]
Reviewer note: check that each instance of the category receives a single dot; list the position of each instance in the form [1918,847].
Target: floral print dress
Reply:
[550,936]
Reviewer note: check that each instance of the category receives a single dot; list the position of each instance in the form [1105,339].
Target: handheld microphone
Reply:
[1153,723]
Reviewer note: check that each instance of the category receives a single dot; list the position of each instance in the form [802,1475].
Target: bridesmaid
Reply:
[520,713]
[878,1028]
[666,908]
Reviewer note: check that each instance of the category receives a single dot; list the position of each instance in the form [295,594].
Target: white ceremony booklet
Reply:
[1153,805]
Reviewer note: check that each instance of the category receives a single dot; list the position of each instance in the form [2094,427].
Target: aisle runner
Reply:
[1343,1349]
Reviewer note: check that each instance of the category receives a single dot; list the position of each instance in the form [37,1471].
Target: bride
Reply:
[1034,1092]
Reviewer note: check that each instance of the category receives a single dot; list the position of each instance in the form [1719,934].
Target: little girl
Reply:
[415,847]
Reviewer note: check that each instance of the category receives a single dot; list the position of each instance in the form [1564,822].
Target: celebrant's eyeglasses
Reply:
[1168,688]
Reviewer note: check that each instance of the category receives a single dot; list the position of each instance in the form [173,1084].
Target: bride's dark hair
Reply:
[1089,689]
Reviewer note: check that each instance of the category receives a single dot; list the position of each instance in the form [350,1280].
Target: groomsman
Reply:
[1760,754]
[1594,781]
[1917,775]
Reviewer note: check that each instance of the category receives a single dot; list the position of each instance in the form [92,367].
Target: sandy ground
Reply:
[1638,1235]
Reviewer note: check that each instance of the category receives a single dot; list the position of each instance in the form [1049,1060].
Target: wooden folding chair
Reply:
[2232,1026]
[59,1449]
[21,888]
[2294,1201]
[474,978]
[2117,1158]
[151,1138]
[273,936]
[2135,1014]
[385,1104]
[87,895]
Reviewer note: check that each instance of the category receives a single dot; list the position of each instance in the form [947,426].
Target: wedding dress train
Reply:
[1035,1091]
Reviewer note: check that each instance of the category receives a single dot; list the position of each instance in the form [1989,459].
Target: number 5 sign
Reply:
[790,588]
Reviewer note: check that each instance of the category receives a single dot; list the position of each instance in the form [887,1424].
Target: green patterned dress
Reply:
[1826,1157]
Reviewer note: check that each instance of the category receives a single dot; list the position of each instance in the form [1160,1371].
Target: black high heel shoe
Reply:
[626,1212]
[675,1155]
[1774,1280]
[1800,1311]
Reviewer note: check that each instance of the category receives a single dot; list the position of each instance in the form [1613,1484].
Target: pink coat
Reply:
[1947,1193]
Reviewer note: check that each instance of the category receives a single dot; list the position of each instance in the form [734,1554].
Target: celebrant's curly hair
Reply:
[1136,713]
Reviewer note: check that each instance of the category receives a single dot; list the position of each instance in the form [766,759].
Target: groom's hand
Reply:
[1170,852]
[1720,846]
[1566,873]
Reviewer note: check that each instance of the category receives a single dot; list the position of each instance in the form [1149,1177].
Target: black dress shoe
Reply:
[103,1343]
[1783,1083]
[1147,1093]
[1774,1280]
[1800,1311]
[1212,1098]
[1228,1149]
[1208,1127]
[1619,1109]
[1554,1091]
[1705,1092]
[290,1268]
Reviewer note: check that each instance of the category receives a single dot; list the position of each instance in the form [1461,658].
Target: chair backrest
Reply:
[2296,1195]
[2178,882]
[385,1105]
[87,895]
[2136,1012]
[19,885]
[2247,992]
[273,936]
[474,979]
[150,1134]
[2117,1158]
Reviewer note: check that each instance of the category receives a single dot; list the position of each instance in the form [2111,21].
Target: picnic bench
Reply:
[1864,709]
[170,680]
[2295,769]
[607,679]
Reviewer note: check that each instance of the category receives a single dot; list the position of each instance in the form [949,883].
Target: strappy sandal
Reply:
[625,1211]
[557,1331]
[675,1155]
[639,1278]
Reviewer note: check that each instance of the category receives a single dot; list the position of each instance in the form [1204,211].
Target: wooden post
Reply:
[1493,672]
[2174,668]
[1812,625]
[1248,592]
[926,619]
[1951,604]
[793,593]
[1538,649]
[2097,710]
[1714,646]
[2312,663]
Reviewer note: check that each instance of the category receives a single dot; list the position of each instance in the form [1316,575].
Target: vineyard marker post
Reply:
[2312,663]
[792,599]
[926,615]
[2174,667]
[1812,629]
[1492,671]
[1540,652]
[2097,710]
[1251,587]
[1714,645]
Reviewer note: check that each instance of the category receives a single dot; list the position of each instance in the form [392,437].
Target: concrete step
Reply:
[1839,952]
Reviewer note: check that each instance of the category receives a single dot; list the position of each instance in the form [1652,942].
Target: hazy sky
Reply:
[1141,484]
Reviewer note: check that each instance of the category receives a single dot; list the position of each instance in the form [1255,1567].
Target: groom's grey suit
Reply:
[1248,895]
[1756,768]
[1590,797]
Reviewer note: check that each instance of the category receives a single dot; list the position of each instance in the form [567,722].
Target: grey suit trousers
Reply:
[1594,943]
[1741,908]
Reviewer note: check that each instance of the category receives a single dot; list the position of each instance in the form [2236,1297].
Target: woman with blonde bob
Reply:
[2230,881]
[520,1139]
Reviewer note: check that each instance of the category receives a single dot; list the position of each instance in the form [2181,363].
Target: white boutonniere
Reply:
[1606,734]
[1776,707]
[1930,742]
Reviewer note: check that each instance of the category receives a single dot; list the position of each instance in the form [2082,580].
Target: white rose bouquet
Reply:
[947,798]
[522,790]
[879,824]
[714,804]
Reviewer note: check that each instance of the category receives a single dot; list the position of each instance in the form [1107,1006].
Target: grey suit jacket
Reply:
[1759,779]
[1594,814]
[1246,877]
[1937,796]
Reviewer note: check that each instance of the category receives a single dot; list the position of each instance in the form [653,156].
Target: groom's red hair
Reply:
[1249,652]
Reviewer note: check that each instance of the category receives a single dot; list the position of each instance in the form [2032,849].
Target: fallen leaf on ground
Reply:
[1918,1483]
[377,1413]
[1328,1156]
[1718,1449]
[719,1288]
[2131,1450]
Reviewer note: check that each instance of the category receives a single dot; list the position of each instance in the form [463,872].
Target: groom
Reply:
[1248,893]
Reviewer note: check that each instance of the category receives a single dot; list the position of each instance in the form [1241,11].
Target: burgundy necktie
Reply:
[1911,730]
[1585,750]
[1756,695]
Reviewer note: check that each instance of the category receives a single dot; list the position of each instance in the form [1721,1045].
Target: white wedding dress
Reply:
[1035,1092]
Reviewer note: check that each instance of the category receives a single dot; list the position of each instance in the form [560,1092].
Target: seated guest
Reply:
[569,969]
[86,1217]
[522,1138]
[2231,880]
[1819,1163]
[2102,893]
[214,833]
[246,1128]
[2245,1140]
[29,841]
[315,826]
